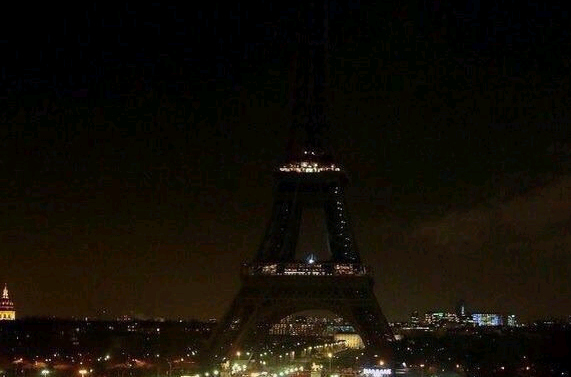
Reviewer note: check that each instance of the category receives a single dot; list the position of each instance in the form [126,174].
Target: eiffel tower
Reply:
[275,283]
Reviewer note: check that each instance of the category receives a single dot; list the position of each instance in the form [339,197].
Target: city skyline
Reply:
[105,315]
[128,193]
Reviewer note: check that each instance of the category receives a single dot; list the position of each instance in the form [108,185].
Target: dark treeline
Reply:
[537,352]
[69,339]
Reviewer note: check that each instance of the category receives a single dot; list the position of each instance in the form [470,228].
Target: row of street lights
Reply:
[82,372]
[236,368]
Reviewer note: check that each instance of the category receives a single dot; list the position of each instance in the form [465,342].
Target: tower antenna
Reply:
[308,81]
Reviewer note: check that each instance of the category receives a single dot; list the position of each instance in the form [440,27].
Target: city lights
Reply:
[309,269]
[376,372]
[308,167]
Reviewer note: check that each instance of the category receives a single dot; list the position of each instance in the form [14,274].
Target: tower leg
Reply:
[260,304]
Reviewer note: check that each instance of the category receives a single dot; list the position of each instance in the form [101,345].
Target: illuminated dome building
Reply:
[7,312]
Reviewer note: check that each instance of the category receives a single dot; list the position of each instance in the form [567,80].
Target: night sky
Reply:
[137,144]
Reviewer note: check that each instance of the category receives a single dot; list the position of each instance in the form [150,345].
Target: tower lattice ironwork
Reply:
[275,283]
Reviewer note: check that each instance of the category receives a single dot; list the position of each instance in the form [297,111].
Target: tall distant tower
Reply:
[7,312]
[461,309]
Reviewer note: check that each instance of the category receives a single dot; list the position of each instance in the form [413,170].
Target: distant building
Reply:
[461,309]
[7,311]
[301,326]
[352,340]
[414,318]
[511,320]
[487,319]
[440,318]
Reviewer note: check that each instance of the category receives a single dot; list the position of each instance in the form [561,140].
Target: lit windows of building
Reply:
[351,340]
[487,319]
[461,309]
[301,325]
[7,311]
[414,319]
[440,318]
[511,320]
[296,326]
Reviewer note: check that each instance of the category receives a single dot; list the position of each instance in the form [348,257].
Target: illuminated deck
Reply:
[311,162]
[305,269]
[308,167]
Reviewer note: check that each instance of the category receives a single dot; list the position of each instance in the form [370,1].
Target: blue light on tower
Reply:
[311,259]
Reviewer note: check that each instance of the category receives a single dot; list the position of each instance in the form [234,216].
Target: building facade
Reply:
[487,319]
[351,340]
[440,318]
[7,311]
[512,320]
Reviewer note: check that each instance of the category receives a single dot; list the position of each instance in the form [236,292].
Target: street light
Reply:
[83,372]
[45,372]
[330,356]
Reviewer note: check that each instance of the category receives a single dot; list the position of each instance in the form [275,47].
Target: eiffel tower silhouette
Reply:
[275,283]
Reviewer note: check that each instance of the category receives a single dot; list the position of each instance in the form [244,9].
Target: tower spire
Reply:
[5,292]
[308,77]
